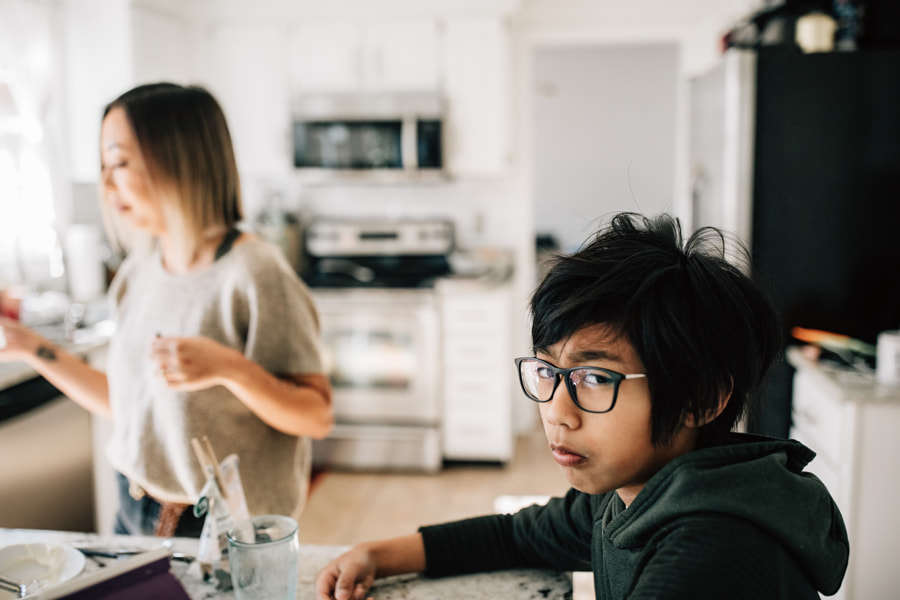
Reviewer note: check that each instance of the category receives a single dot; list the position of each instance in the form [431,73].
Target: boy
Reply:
[648,351]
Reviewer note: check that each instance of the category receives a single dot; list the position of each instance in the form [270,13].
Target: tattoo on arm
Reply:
[46,353]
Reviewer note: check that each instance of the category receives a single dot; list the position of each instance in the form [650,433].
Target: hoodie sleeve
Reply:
[554,536]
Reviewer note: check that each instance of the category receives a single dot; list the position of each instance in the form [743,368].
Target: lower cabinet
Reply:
[478,374]
[852,423]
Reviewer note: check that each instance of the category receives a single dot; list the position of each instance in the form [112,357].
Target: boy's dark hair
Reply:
[702,328]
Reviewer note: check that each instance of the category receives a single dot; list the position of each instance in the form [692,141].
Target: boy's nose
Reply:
[561,410]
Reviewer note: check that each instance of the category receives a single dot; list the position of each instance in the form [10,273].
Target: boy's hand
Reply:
[347,577]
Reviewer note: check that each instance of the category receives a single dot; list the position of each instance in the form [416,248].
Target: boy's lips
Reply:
[566,457]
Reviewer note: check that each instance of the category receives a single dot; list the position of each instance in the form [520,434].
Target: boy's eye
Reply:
[544,372]
[591,377]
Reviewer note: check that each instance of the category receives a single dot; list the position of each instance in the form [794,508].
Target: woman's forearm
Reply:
[72,376]
[297,405]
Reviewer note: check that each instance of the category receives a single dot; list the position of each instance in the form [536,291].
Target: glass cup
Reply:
[264,557]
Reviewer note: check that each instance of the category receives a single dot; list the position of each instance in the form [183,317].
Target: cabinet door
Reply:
[326,56]
[357,56]
[249,77]
[476,81]
[160,48]
[401,56]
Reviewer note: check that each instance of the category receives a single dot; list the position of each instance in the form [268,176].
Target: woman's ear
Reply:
[691,420]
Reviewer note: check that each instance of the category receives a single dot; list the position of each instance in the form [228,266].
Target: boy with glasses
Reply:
[648,351]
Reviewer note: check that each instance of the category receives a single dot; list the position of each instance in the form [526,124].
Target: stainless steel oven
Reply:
[373,287]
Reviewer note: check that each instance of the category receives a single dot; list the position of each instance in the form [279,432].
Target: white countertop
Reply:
[520,584]
[853,385]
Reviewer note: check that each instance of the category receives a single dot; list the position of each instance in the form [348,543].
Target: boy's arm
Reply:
[554,536]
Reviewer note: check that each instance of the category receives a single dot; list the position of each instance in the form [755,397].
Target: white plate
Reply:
[41,566]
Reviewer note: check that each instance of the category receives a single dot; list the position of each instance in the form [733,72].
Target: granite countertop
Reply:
[524,584]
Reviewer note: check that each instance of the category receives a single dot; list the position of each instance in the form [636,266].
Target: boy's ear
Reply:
[691,420]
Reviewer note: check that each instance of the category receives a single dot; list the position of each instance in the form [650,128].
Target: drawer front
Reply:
[483,315]
[818,412]
[478,353]
[475,436]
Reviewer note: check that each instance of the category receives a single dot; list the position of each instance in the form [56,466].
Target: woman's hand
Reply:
[17,342]
[348,577]
[292,404]
[191,363]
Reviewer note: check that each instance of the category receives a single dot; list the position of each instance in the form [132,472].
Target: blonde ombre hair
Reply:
[184,140]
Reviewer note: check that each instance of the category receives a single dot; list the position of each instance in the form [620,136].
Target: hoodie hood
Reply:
[757,479]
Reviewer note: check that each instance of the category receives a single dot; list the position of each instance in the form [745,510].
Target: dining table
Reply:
[515,584]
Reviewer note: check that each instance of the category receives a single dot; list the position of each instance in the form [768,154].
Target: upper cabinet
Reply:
[476,79]
[248,72]
[364,56]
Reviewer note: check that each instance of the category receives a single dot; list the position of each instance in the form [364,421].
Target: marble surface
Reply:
[525,584]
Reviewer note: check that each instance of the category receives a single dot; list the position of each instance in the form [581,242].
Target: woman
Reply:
[215,335]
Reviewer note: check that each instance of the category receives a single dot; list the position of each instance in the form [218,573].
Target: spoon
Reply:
[15,586]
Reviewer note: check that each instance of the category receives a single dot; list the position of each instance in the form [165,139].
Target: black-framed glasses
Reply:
[592,389]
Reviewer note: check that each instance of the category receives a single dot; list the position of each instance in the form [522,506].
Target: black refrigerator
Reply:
[799,154]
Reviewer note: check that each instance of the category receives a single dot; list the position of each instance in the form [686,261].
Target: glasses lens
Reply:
[595,388]
[537,379]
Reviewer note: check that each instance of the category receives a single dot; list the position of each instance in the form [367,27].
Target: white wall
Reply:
[604,135]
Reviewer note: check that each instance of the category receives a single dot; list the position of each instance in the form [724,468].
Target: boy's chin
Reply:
[582,485]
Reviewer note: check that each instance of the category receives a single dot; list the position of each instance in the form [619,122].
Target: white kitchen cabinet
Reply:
[476,83]
[852,424]
[248,74]
[478,371]
[364,56]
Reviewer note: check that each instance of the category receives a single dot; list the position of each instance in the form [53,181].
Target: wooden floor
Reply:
[346,508]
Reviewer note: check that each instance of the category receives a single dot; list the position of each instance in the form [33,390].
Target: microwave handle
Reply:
[408,146]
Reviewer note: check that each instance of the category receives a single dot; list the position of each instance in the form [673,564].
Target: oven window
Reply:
[370,359]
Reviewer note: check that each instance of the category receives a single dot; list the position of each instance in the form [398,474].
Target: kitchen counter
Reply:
[87,342]
[853,385]
[521,584]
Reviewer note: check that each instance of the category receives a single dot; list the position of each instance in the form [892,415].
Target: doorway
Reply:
[604,136]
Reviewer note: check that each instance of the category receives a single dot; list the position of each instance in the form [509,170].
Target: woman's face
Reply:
[608,451]
[124,176]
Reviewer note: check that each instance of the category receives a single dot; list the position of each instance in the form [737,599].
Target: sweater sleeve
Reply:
[554,536]
[471,545]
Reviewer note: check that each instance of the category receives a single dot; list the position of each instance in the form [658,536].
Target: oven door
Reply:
[381,352]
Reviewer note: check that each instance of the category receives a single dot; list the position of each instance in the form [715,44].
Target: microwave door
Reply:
[348,145]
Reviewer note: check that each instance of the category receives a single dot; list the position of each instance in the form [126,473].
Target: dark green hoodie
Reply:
[735,521]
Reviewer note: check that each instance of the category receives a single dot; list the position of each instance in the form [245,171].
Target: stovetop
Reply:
[377,253]
[376,271]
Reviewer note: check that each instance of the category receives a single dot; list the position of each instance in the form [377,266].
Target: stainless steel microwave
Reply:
[373,137]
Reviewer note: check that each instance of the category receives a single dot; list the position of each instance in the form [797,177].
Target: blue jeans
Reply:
[139,517]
